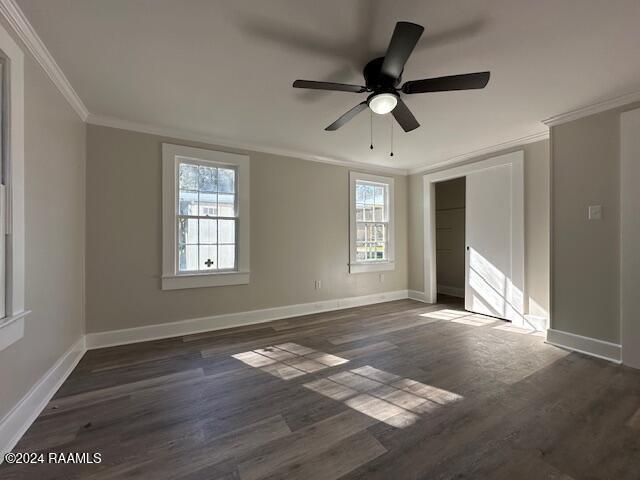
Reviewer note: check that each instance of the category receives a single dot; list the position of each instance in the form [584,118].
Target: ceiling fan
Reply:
[383,75]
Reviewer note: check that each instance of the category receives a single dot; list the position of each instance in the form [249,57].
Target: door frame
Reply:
[516,161]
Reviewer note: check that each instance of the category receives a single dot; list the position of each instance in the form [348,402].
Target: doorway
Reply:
[493,233]
[450,240]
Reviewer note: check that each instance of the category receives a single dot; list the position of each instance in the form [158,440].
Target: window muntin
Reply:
[207,217]
[372,221]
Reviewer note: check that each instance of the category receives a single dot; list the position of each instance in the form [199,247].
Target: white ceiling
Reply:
[224,68]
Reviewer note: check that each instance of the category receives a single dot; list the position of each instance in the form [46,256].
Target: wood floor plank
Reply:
[303,444]
[342,458]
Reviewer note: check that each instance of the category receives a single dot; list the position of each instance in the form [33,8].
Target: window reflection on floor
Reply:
[477,320]
[289,360]
[389,398]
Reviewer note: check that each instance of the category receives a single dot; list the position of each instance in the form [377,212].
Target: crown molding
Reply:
[25,31]
[178,134]
[458,159]
[592,109]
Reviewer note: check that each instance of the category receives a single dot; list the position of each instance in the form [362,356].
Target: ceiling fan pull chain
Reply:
[371,129]
[391,155]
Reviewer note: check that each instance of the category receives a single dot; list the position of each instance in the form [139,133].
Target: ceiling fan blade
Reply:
[347,116]
[404,39]
[467,81]
[340,87]
[404,117]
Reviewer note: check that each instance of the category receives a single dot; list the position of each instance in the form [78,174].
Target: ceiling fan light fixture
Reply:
[383,103]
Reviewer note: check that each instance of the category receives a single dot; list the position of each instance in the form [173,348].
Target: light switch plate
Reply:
[595,212]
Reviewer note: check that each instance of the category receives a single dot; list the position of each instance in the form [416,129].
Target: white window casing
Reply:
[178,268]
[12,201]
[367,254]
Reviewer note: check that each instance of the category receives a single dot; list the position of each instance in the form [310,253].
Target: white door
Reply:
[494,263]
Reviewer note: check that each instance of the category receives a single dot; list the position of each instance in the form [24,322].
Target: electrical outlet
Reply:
[381,277]
[595,212]
[318,284]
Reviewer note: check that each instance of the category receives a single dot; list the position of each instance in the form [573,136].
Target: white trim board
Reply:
[587,345]
[592,109]
[459,160]
[23,28]
[417,295]
[23,414]
[218,322]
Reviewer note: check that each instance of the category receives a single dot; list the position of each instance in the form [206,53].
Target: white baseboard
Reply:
[453,291]
[417,295]
[587,345]
[20,418]
[218,322]
[537,322]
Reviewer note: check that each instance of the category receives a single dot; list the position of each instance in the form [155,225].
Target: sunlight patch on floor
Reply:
[387,397]
[289,360]
[519,330]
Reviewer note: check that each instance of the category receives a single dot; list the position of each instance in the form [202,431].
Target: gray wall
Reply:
[54,215]
[536,205]
[450,233]
[299,233]
[586,171]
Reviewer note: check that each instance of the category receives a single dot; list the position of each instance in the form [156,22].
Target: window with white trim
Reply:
[12,220]
[205,218]
[371,223]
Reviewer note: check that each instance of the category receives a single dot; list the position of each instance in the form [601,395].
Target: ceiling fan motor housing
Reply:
[378,82]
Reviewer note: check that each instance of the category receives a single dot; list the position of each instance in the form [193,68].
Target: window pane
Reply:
[369,232]
[368,194]
[208,231]
[359,193]
[379,195]
[208,260]
[187,257]
[368,214]
[188,230]
[361,251]
[226,205]
[227,256]
[208,204]
[381,233]
[226,180]
[359,213]
[207,179]
[361,234]
[188,177]
[379,251]
[188,203]
[378,214]
[227,231]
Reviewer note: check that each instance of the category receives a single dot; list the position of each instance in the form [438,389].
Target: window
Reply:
[12,243]
[205,219]
[371,229]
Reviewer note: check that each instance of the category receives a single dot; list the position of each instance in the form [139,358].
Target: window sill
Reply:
[371,267]
[12,329]
[201,280]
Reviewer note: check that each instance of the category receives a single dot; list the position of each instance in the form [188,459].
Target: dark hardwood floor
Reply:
[400,390]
